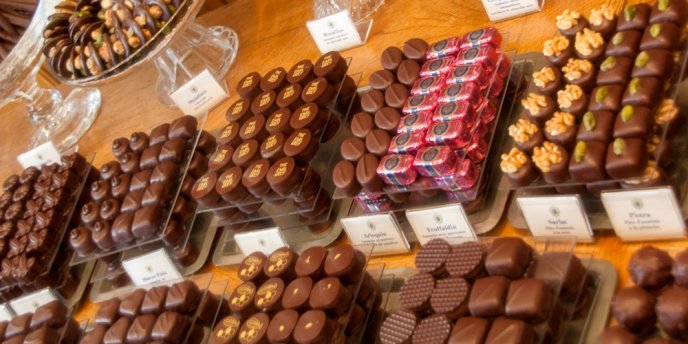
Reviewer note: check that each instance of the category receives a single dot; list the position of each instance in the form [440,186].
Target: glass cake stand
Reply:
[62,120]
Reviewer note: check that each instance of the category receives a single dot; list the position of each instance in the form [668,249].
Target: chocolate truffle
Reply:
[571,22]
[361,124]
[407,73]
[391,58]
[589,45]
[301,72]
[650,268]
[120,146]
[102,235]
[109,209]
[603,20]
[415,49]
[253,128]
[138,141]
[434,329]
[626,158]
[552,160]
[509,256]
[268,296]
[587,161]
[672,311]
[558,50]
[539,107]
[529,300]
[110,169]
[510,331]
[561,129]
[80,240]
[548,80]
[518,168]
[526,134]
[634,308]
[415,294]
[606,98]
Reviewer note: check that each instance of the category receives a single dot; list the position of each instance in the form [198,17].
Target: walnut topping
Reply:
[588,40]
[599,15]
[560,123]
[544,76]
[534,102]
[650,173]
[568,95]
[666,112]
[576,68]
[555,46]
[523,130]
[652,144]
[513,161]
[547,155]
[568,19]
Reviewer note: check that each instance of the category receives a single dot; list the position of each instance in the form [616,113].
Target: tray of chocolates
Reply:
[37,207]
[529,288]
[51,322]
[427,122]
[144,194]
[602,111]
[174,311]
[319,296]
[275,152]
[652,307]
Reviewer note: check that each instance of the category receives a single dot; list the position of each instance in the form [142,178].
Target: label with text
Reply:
[29,303]
[382,231]
[5,313]
[505,9]
[335,32]
[153,267]
[264,240]
[199,95]
[447,222]
[556,216]
[46,153]
[648,214]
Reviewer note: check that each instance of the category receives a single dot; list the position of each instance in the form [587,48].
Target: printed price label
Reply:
[447,222]
[335,32]
[648,214]
[504,9]
[199,95]
[29,303]
[381,230]
[153,267]
[43,154]
[554,216]
[264,240]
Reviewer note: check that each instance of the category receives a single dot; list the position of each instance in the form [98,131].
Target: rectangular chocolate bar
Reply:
[397,169]
[435,161]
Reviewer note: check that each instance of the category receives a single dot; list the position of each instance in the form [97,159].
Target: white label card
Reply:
[556,216]
[649,214]
[46,153]
[153,267]
[199,95]
[29,303]
[447,222]
[264,240]
[381,230]
[335,32]
[504,9]
[5,313]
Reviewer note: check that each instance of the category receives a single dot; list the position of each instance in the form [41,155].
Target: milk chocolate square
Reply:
[530,300]
[661,36]
[615,70]
[587,161]
[624,43]
[488,296]
[606,98]
[658,63]
[626,158]
[508,256]
[633,121]
[596,126]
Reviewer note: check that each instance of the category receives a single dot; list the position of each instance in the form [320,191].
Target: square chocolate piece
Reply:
[626,158]
[169,327]
[596,126]
[117,333]
[52,314]
[182,297]
[147,221]
[615,71]
[633,121]
[154,302]
[606,98]
[156,195]
[634,17]
[183,127]
[141,329]
[469,330]
[149,157]
[660,36]
[132,202]
[159,134]
[587,161]
[108,312]
[624,43]
[656,62]
[131,305]
[140,180]
[643,92]
[173,150]
[488,296]
[165,172]
[530,300]
[509,256]
[673,11]
[510,331]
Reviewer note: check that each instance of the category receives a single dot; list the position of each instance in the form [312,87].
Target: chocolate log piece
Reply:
[432,257]
[650,268]
[606,98]
[141,329]
[672,311]
[131,305]
[635,17]
[633,122]
[169,327]
[626,158]
[391,57]
[466,260]
[450,297]
[672,11]
[508,257]
[154,300]
[488,296]
[634,308]
[587,161]
[108,312]
[415,294]
[226,331]
[469,330]
[529,300]
[510,331]
[624,44]
[182,297]
[117,333]
[615,70]
[596,126]
[434,329]
[657,63]
[282,326]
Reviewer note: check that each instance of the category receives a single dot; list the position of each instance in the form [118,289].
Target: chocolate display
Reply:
[47,324]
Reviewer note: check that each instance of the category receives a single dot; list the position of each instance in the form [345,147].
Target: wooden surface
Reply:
[273,33]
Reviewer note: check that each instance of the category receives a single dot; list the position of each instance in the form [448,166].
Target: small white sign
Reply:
[153,267]
[29,303]
[649,214]
[447,222]
[381,230]
[335,32]
[556,216]
[504,9]
[5,313]
[199,95]
[264,240]
[46,153]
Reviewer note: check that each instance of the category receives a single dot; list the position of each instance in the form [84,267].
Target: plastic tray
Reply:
[167,211]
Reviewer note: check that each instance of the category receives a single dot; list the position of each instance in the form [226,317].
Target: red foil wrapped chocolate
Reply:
[445,47]
[482,54]
[486,111]
[435,161]
[455,134]
[431,84]
[465,176]
[422,102]
[437,67]
[487,36]
[461,92]
[407,143]
[461,111]
[474,73]
[477,148]
[397,169]
[414,122]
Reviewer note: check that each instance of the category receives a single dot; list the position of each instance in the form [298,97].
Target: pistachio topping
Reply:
[589,121]
[576,68]
[655,30]
[568,19]
[560,123]
[608,63]
[601,94]
[629,12]
[634,86]
[587,41]
[650,173]
[618,38]
[544,76]
[555,46]
[547,155]
[599,15]
[619,146]
[534,102]
[522,130]
[513,161]
[642,59]
[568,95]
[627,113]
[663,4]
[579,151]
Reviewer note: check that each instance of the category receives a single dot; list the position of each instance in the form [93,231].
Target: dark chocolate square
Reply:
[673,11]
[530,300]
[149,157]
[183,127]
[488,296]
[634,17]
[132,202]
[624,43]
[53,314]
[165,172]
[154,302]
[510,331]
[173,150]
[509,256]
[131,305]
[159,134]
[633,121]
[121,228]
[117,333]
[182,297]
[587,161]
[108,312]
[170,326]
[147,221]
[660,36]
[606,98]
[643,92]
[155,195]
[656,62]
[469,330]
[630,161]
[141,329]
[615,70]
[140,180]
